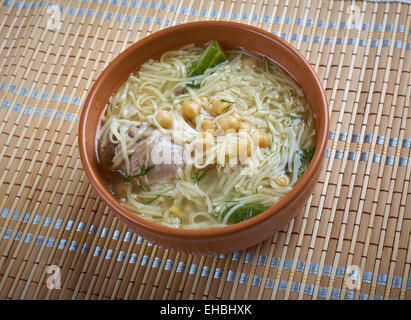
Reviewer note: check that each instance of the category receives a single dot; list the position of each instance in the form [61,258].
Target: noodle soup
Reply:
[204,138]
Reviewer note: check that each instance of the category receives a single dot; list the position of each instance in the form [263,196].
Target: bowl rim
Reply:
[189,234]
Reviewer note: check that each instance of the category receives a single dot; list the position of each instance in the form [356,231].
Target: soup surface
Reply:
[204,137]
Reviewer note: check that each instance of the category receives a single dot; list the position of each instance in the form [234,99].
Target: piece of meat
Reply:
[107,149]
[158,150]
[152,148]
[180,92]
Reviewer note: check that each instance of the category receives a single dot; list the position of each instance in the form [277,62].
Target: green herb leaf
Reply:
[217,215]
[194,85]
[292,117]
[227,107]
[143,171]
[306,157]
[140,184]
[213,55]
[298,117]
[227,101]
[244,212]
[157,197]
[266,65]
[291,93]
[191,69]
[198,177]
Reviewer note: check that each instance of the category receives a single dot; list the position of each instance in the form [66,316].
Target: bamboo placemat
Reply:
[356,224]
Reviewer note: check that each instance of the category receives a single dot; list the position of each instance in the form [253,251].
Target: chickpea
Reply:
[228,122]
[190,109]
[244,148]
[244,125]
[207,124]
[230,131]
[248,62]
[282,180]
[205,141]
[218,132]
[204,101]
[165,119]
[221,106]
[261,139]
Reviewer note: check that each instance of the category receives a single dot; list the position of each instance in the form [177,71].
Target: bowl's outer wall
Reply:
[229,35]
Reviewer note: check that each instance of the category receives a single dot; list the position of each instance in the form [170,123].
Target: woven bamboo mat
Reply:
[356,225]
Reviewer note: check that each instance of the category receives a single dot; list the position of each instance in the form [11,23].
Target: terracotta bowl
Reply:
[229,35]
